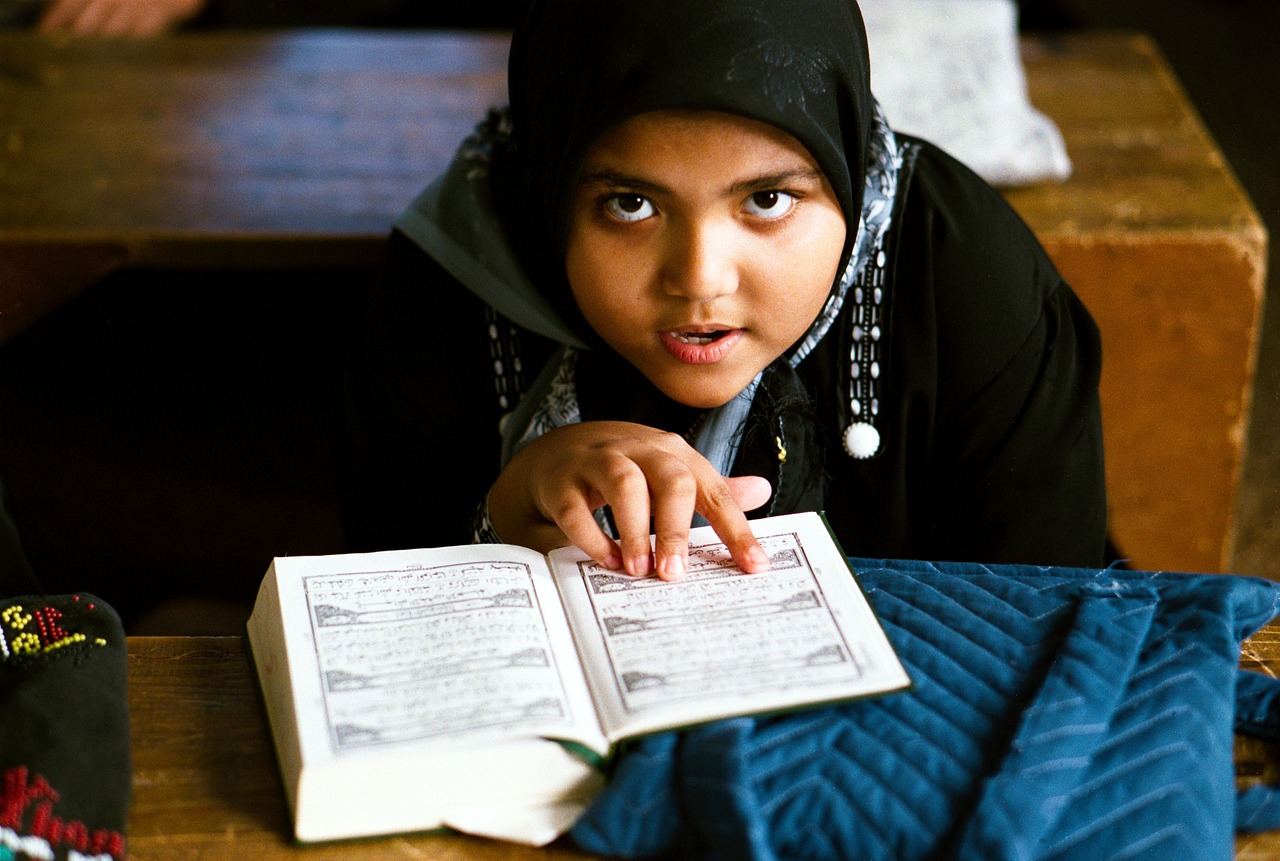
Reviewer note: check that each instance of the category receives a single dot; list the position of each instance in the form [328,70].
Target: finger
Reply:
[157,18]
[626,489]
[719,506]
[574,518]
[750,491]
[93,17]
[121,21]
[675,498]
[59,15]
[142,23]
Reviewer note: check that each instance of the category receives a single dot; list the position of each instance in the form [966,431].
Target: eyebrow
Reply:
[614,179]
[763,182]
[780,179]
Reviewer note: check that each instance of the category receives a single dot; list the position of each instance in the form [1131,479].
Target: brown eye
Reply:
[769,204]
[629,207]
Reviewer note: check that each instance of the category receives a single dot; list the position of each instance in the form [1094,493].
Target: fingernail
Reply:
[757,557]
[673,567]
[613,562]
[639,565]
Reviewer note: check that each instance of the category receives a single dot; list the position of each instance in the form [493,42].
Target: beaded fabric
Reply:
[65,772]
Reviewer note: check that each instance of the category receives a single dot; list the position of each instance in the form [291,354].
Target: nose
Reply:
[701,261]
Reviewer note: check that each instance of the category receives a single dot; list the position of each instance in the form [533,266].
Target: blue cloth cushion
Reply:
[1056,714]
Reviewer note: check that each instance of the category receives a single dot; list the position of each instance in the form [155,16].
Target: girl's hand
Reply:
[117,17]
[545,497]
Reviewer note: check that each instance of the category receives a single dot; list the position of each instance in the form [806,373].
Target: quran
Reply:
[482,687]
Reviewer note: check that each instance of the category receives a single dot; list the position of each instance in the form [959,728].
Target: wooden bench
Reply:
[205,783]
[205,780]
[1156,235]
[297,150]
[219,150]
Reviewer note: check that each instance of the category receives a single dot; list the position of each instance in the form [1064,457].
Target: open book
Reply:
[479,687]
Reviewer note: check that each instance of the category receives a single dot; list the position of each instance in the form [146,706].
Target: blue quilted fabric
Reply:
[1055,714]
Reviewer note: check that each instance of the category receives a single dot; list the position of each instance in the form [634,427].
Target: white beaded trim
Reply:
[508,372]
[861,438]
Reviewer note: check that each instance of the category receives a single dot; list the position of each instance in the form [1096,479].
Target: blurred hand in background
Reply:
[117,17]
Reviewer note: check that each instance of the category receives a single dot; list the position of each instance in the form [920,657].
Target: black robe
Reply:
[991,439]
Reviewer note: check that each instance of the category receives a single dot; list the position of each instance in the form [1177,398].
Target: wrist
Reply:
[482,529]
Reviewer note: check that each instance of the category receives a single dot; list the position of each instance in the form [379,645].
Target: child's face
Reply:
[701,246]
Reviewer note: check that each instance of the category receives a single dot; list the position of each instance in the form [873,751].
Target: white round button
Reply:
[861,440]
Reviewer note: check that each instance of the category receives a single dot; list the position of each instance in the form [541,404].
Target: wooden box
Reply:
[1156,235]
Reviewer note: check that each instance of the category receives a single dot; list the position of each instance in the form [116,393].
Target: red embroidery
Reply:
[47,620]
[21,791]
[39,632]
[16,795]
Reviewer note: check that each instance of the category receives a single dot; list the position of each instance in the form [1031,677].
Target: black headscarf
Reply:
[579,67]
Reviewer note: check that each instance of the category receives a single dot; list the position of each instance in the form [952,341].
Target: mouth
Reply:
[700,345]
[700,338]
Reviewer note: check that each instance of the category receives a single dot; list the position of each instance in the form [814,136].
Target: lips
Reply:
[701,345]
[699,338]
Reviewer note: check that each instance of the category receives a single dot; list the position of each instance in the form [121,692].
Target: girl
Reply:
[692,270]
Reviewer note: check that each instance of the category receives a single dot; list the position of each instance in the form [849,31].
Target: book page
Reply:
[442,645]
[720,642]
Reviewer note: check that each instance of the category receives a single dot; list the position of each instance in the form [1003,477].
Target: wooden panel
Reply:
[206,789]
[1257,761]
[1178,361]
[1160,241]
[205,783]
[222,150]
[36,277]
[1143,162]
[232,137]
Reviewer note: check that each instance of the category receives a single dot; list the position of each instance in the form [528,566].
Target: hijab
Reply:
[579,67]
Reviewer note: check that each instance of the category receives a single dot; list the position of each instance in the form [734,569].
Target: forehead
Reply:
[675,138]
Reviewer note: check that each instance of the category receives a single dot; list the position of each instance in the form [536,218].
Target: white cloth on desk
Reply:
[949,71]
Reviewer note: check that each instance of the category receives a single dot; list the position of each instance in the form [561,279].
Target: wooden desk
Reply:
[1256,762]
[1164,247]
[205,782]
[206,787]
[298,149]
[265,150]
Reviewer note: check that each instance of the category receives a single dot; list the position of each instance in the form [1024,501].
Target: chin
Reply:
[701,399]
[703,387]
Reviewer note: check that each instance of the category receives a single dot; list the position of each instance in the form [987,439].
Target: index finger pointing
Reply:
[720,508]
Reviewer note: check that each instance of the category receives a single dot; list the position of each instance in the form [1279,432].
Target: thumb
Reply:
[749,491]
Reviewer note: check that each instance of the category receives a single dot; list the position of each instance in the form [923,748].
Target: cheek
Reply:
[607,270]
[601,282]
[585,268]
[828,234]
[806,271]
